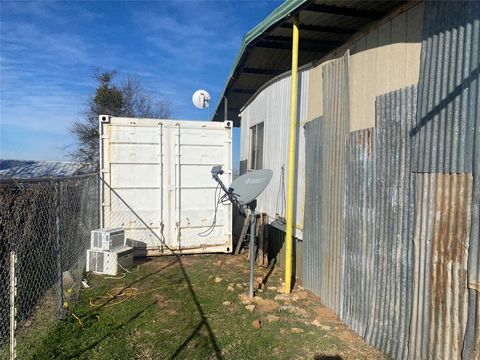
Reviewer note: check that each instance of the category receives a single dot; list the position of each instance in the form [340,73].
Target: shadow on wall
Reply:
[276,249]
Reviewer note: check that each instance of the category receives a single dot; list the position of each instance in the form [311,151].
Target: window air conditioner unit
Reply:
[110,262]
[107,239]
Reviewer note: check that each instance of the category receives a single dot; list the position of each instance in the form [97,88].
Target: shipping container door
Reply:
[200,221]
[133,175]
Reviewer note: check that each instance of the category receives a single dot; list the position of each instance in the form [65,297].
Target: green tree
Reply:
[129,99]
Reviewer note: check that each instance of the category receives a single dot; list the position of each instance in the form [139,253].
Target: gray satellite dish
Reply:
[248,186]
[241,193]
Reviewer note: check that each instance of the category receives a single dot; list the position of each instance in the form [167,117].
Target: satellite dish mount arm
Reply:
[216,171]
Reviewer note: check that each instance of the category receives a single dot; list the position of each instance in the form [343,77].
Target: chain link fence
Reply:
[45,229]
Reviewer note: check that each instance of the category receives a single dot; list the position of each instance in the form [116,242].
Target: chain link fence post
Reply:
[58,252]
[13,309]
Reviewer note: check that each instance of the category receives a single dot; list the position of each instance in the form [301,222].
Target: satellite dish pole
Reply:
[242,193]
[201,100]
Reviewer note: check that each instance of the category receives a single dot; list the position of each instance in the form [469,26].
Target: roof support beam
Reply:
[266,72]
[303,47]
[288,40]
[243,91]
[328,9]
[323,29]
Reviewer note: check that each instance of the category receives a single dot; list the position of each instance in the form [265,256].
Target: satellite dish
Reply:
[201,99]
[241,193]
[248,186]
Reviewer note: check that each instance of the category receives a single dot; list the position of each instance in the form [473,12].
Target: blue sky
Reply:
[49,52]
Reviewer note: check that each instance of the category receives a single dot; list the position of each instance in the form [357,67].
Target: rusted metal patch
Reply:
[475,286]
[448,273]
[442,234]
[364,140]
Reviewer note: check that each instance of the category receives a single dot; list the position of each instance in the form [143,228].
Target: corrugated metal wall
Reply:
[410,250]
[272,107]
[325,244]
[313,201]
[359,229]
[391,290]
[447,159]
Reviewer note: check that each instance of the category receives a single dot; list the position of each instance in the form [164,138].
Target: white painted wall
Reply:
[272,106]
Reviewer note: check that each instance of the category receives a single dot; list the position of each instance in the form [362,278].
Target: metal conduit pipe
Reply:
[291,159]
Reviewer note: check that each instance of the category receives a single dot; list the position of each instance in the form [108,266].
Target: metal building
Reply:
[386,166]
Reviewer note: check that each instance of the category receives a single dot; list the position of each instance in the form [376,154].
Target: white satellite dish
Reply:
[201,99]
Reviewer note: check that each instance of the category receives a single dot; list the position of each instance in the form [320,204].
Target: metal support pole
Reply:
[291,159]
[225,108]
[252,250]
[13,310]
[58,253]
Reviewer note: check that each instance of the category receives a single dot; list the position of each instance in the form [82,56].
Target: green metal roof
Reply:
[284,10]
[266,49]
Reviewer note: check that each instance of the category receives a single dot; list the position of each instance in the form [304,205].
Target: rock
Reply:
[227,303]
[294,297]
[272,318]
[301,295]
[230,288]
[294,309]
[297,330]
[250,307]
[271,288]
[316,323]
[281,297]
[239,286]
[260,290]
[244,298]
[257,324]
[259,279]
[325,327]
[218,279]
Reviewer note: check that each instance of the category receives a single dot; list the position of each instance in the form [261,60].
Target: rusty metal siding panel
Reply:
[447,132]
[359,229]
[442,234]
[324,263]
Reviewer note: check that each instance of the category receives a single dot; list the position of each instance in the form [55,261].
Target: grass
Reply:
[167,319]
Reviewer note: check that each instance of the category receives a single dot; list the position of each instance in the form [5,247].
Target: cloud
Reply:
[49,51]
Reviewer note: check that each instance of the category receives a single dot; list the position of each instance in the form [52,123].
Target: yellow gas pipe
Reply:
[291,159]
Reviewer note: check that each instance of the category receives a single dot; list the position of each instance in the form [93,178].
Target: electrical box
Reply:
[107,239]
[110,262]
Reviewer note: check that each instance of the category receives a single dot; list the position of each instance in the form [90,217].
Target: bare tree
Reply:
[141,103]
[128,99]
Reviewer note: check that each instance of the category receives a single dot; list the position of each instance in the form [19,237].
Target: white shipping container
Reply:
[157,185]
